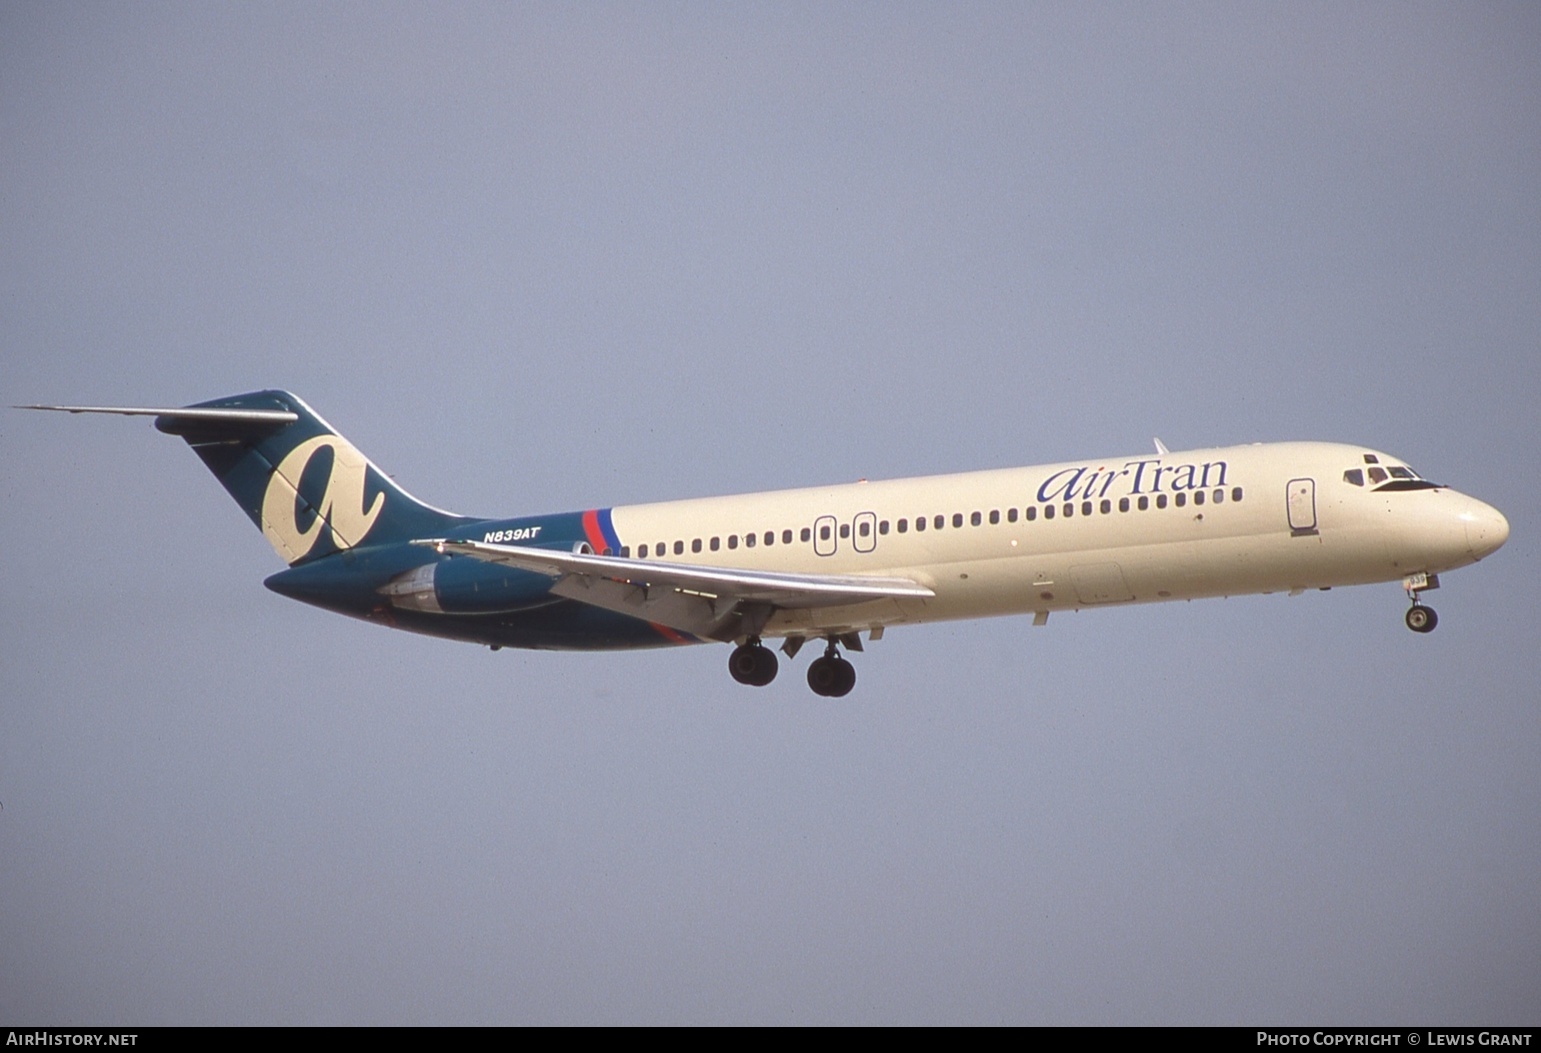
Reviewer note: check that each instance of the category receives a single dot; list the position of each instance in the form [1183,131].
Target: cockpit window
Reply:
[1402,473]
[1370,458]
[1377,475]
[1354,476]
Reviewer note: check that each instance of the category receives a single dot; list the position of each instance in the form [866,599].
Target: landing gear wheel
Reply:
[753,664]
[1421,619]
[831,676]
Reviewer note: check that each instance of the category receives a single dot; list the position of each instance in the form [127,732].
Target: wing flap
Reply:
[717,602]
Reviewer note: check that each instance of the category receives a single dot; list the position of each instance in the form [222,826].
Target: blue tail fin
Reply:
[309,490]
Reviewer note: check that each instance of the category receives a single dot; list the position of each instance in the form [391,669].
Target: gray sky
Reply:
[544,257]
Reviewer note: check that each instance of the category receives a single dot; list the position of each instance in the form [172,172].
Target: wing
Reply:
[717,602]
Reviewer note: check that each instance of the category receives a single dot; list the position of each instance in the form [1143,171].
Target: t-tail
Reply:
[309,490]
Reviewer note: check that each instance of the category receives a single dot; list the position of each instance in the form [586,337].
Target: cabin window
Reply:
[1123,504]
[770,537]
[904,526]
[863,528]
[733,541]
[1198,497]
[882,526]
[749,541]
[1069,509]
[920,523]
[786,537]
[695,546]
[1011,515]
[1161,500]
[1031,513]
[824,532]
[807,534]
[1219,496]
[995,516]
[642,552]
[625,551]
[1105,507]
[845,530]
[1048,511]
[1086,508]
[1236,493]
[974,519]
[939,522]
[716,543]
[1180,499]
[679,548]
[1354,477]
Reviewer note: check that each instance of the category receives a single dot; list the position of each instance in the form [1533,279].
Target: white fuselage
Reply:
[1140,529]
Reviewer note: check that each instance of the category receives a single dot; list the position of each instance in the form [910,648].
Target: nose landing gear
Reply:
[1420,619]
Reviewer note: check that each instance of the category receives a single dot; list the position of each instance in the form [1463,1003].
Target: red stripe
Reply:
[669,634]
[591,530]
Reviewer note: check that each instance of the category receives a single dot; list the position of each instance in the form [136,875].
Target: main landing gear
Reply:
[831,676]
[1420,619]
[753,663]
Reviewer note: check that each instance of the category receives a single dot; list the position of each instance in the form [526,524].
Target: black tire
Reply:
[823,676]
[1421,619]
[752,664]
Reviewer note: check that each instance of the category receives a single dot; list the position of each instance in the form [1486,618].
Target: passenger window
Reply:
[1048,511]
[642,552]
[1219,496]
[1144,503]
[920,523]
[957,519]
[679,548]
[939,522]
[806,534]
[975,519]
[1354,477]
[1086,508]
[904,526]
[995,516]
[1123,504]
[733,541]
[770,537]
[882,526]
[786,537]
[824,532]
[695,546]
[1069,509]
[845,530]
[716,543]
[1161,500]
[1031,513]
[625,551]
[749,541]
[1181,499]
[863,528]
[1236,493]
[1011,515]
[1198,497]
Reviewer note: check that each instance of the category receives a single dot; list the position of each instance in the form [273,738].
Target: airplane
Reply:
[827,563]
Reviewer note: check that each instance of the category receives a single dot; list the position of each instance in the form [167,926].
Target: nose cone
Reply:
[1486,529]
